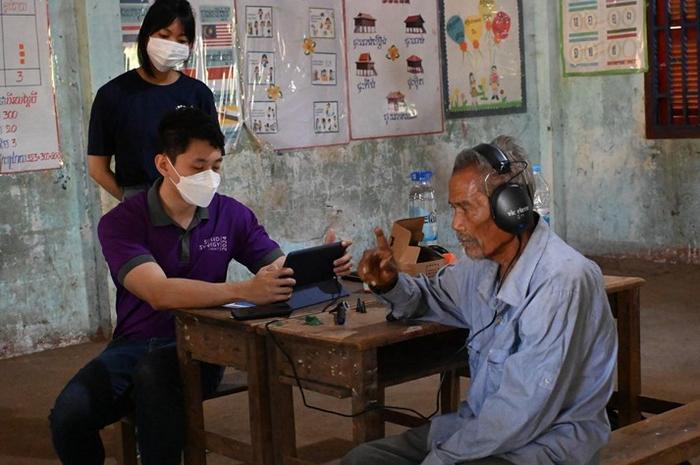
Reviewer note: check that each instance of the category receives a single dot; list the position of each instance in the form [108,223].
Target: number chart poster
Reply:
[394,83]
[484,65]
[213,58]
[603,36]
[28,125]
[294,75]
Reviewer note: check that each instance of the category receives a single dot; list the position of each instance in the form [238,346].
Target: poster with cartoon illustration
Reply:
[264,117]
[603,37]
[296,91]
[258,21]
[213,59]
[325,117]
[393,56]
[322,23]
[484,63]
[261,67]
[323,69]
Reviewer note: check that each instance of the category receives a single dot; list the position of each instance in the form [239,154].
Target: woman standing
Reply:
[127,110]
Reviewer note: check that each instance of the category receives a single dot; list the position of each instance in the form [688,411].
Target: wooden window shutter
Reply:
[673,97]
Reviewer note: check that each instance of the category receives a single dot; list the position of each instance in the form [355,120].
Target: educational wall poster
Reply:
[603,36]
[28,120]
[295,83]
[264,117]
[258,21]
[394,83]
[322,23]
[132,13]
[261,68]
[482,42]
[325,117]
[324,69]
[213,59]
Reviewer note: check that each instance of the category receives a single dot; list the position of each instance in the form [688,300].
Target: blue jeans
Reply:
[142,377]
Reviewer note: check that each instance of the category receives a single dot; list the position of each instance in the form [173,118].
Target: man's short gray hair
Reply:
[470,158]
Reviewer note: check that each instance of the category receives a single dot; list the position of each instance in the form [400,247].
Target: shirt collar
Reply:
[158,215]
[517,282]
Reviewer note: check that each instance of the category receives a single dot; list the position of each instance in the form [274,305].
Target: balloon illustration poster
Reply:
[483,67]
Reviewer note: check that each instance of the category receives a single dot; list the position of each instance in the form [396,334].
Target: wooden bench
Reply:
[232,383]
[665,439]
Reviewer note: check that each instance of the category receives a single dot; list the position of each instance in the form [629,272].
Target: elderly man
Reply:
[542,343]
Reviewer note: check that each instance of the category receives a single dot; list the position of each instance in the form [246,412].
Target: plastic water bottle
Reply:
[422,203]
[542,195]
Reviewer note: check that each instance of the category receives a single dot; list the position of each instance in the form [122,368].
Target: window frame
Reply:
[652,97]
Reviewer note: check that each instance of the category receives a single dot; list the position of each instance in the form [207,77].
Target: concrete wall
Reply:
[624,195]
[51,289]
[614,191]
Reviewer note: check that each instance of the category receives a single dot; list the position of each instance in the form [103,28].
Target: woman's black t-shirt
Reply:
[125,117]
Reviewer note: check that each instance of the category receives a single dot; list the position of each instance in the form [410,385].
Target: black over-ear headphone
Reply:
[511,205]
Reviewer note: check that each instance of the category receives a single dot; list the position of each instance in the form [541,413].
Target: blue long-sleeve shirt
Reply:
[542,374]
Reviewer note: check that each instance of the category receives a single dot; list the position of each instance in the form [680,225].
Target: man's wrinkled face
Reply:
[471,214]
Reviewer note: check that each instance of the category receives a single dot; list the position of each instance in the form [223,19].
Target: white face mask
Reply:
[166,54]
[197,189]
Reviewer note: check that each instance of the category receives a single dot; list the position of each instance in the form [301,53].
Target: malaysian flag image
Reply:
[130,33]
[217,35]
[132,14]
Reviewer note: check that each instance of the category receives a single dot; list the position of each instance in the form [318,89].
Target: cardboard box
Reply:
[410,257]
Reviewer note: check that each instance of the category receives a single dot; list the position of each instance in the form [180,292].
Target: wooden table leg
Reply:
[281,410]
[629,378]
[366,392]
[259,402]
[194,452]
[449,392]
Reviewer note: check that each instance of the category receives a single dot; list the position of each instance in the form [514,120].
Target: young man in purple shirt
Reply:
[166,248]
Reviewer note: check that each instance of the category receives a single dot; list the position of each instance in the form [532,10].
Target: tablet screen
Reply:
[315,264]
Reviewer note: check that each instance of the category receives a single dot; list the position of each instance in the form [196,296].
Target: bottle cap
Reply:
[536,168]
[421,175]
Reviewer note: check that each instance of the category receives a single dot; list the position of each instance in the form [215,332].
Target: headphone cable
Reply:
[518,162]
[498,289]
[370,408]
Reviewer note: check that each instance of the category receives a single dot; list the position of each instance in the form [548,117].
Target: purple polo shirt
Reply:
[138,231]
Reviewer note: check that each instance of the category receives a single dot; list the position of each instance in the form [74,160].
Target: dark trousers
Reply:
[142,377]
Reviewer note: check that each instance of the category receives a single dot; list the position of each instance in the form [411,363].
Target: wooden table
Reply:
[213,336]
[623,295]
[357,361]
[409,351]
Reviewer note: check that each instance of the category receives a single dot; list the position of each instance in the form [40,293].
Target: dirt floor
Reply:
[670,370]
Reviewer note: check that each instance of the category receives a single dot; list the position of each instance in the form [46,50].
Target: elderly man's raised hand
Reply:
[377,266]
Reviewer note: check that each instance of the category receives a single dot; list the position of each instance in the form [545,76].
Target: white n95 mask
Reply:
[197,189]
[166,54]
